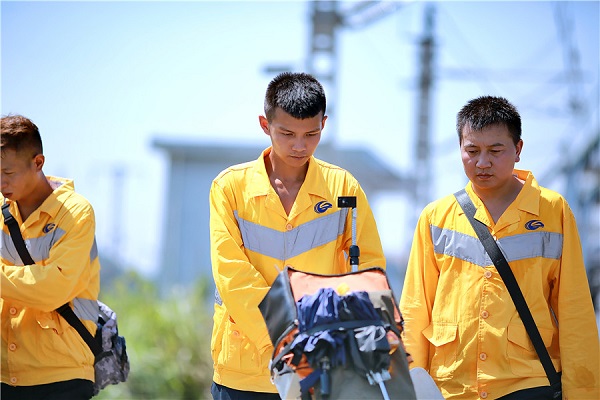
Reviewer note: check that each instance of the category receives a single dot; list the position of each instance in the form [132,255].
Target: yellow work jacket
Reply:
[38,345]
[252,240]
[460,321]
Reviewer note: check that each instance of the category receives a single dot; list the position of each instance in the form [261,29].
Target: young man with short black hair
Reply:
[461,323]
[278,210]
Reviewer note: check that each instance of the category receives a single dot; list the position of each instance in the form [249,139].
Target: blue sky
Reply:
[103,79]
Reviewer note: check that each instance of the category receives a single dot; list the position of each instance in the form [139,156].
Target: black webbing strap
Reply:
[65,310]
[67,313]
[15,234]
[514,290]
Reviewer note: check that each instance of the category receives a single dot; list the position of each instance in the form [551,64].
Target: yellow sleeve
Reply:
[240,285]
[368,240]
[578,332]
[418,293]
[52,282]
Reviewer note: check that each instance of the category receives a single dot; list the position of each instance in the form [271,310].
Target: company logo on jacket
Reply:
[534,224]
[49,227]
[322,206]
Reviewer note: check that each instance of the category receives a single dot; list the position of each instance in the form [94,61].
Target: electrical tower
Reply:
[327,18]
[580,169]
[322,56]
[576,103]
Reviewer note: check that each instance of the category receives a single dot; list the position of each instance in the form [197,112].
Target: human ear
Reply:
[323,122]
[264,124]
[519,148]
[39,161]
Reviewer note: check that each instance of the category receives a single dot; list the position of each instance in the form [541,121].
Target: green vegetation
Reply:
[168,340]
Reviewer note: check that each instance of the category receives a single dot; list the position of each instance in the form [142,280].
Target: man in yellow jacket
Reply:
[461,324]
[43,357]
[278,210]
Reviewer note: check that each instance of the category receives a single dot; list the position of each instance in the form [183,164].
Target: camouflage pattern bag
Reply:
[112,365]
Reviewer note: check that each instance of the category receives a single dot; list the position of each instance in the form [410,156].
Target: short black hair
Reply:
[298,94]
[20,134]
[485,111]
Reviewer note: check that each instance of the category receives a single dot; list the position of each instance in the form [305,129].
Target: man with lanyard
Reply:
[278,210]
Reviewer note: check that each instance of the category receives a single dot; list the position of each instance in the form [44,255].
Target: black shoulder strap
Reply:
[510,281]
[69,315]
[15,234]
[65,310]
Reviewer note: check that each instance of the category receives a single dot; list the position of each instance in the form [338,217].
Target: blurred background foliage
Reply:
[168,339]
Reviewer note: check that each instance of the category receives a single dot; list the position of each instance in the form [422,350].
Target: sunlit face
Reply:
[489,157]
[293,140]
[19,174]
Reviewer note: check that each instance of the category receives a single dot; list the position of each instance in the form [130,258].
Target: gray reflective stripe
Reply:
[218,299]
[8,251]
[38,248]
[517,247]
[289,244]
[94,251]
[86,309]
[459,245]
[533,244]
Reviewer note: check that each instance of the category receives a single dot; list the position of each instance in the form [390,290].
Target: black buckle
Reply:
[8,217]
[557,389]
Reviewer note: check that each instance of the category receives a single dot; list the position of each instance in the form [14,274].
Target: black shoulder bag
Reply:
[510,281]
[65,310]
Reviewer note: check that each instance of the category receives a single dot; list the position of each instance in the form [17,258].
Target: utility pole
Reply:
[422,174]
[565,26]
[322,59]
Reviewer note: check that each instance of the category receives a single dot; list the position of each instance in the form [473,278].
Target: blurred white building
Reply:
[185,253]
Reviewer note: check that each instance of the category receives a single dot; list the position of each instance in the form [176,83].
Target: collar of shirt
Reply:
[314,183]
[528,201]
[63,188]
